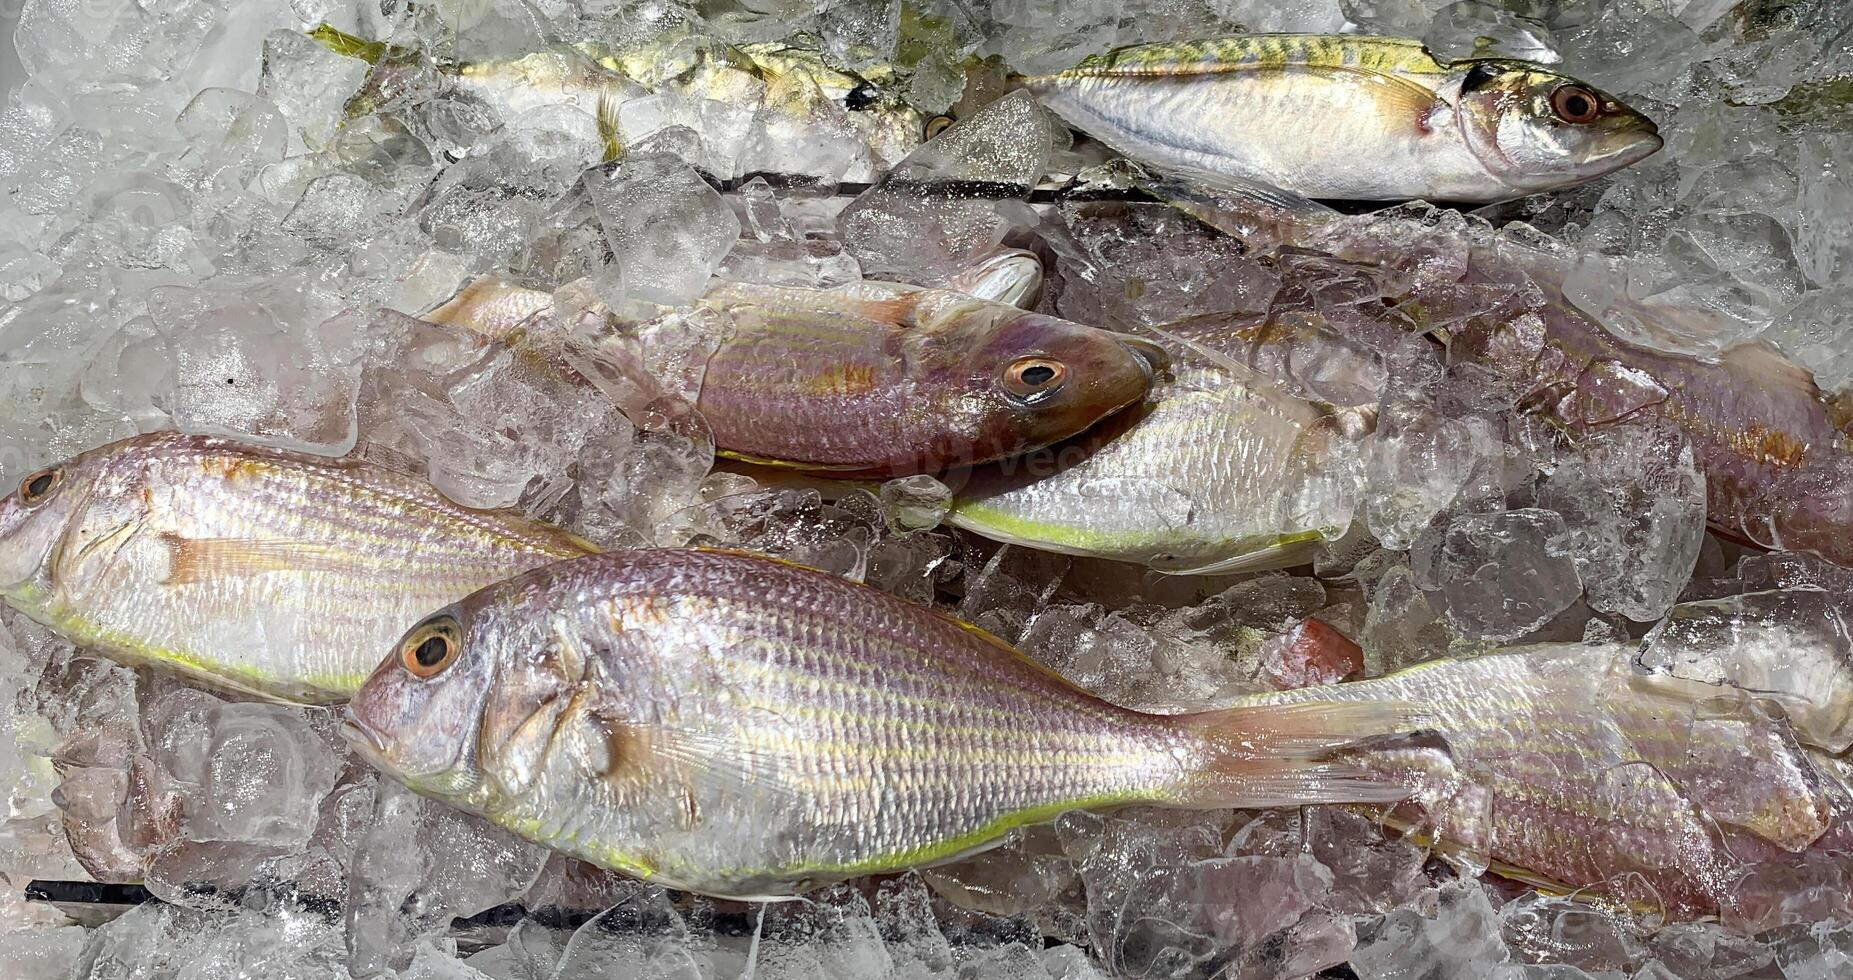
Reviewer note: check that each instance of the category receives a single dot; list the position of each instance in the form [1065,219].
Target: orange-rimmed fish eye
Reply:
[1032,379]
[431,647]
[38,486]
[937,125]
[1575,104]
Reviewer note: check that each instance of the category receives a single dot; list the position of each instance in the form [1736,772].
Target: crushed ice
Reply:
[200,229]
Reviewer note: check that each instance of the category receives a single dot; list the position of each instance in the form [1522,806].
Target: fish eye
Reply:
[1032,379]
[430,648]
[36,487]
[1575,104]
[937,125]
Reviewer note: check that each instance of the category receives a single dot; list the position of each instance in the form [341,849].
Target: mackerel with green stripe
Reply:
[744,727]
[1350,116]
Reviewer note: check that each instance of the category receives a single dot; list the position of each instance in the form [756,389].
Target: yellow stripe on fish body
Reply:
[1263,52]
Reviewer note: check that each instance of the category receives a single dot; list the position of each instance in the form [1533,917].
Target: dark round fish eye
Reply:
[39,485]
[937,125]
[1575,104]
[432,652]
[1031,379]
[430,648]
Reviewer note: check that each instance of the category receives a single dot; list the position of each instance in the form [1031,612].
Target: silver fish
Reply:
[1350,116]
[256,569]
[741,726]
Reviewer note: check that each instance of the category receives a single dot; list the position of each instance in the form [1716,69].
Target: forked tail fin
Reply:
[1287,754]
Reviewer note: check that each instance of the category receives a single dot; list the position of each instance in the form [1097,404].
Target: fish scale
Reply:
[742,726]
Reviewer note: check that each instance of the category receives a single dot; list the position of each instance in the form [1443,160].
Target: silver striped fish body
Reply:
[257,569]
[1218,471]
[1565,768]
[1347,116]
[744,727]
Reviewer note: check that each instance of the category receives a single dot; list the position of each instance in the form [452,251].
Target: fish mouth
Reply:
[1152,358]
[363,740]
[1627,147]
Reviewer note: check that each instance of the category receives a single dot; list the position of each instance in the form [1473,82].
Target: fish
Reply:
[259,570]
[1563,767]
[495,306]
[1219,471]
[816,120]
[743,727]
[1776,451]
[884,379]
[1349,117]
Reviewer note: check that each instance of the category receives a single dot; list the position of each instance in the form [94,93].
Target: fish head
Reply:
[1024,380]
[1536,130]
[37,515]
[418,714]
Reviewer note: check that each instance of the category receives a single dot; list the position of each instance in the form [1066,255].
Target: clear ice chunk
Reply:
[419,864]
[1501,575]
[667,229]
[920,222]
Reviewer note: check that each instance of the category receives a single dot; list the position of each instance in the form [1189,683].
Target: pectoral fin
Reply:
[194,560]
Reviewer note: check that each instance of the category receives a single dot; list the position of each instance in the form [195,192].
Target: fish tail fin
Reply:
[349,45]
[1288,754]
[609,132]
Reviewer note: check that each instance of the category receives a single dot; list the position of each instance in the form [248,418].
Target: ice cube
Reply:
[1458,937]
[1636,509]
[641,935]
[243,785]
[1821,954]
[530,952]
[1499,576]
[1551,930]
[1146,264]
[249,772]
[1015,878]
[431,963]
[1415,465]
[1467,29]
[420,864]
[41,953]
[308,84]
[860,32]
[1164,899]
[270,362]
[914,503]
[1042,38]
[667,229]
[489,205]
[916,224]
[234,133]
